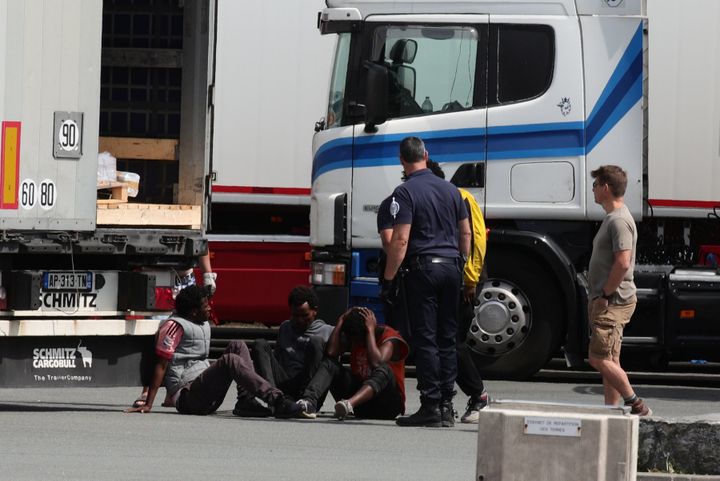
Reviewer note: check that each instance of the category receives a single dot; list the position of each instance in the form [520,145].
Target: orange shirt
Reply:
[360,367]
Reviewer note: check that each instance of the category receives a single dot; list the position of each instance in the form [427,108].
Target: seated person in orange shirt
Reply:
[374,386]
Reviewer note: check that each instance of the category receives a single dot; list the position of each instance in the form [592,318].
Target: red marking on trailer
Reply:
[256,278]
[240,189]
[688,204]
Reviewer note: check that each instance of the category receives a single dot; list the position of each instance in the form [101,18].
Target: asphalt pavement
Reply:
[82,434]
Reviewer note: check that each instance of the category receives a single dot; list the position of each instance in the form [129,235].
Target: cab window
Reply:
[525,59]
[334,117]
[431,69]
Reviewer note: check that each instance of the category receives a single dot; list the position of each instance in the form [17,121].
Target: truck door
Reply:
[436,78]
[535,136]
[198,105]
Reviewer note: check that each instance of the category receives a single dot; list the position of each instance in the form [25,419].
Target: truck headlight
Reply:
[328,274]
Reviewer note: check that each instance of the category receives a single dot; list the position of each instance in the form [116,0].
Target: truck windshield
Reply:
[337,85]
[432,68]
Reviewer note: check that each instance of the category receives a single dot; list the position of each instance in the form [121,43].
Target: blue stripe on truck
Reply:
[622,91]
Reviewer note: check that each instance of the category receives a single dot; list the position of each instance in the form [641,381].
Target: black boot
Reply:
[428,416]
[285,407]
[249,407]
[447,413]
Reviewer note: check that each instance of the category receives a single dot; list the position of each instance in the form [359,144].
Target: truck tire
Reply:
[520,320]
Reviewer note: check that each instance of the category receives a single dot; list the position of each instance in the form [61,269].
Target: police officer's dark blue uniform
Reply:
[384,217]
[432,210]
[394,305]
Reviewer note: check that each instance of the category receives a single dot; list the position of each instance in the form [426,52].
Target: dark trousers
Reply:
[207,392]
[292,384]
[432,302]
[387,402]
[468,377]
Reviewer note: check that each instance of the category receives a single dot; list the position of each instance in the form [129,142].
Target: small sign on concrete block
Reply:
[524,440]
[552,426]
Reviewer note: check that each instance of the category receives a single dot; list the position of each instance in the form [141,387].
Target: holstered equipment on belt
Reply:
[417,263]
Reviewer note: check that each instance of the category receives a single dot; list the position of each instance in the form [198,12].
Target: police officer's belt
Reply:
[416,262]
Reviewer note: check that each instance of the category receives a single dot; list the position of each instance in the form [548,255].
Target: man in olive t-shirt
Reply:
[612,290]
[617,233]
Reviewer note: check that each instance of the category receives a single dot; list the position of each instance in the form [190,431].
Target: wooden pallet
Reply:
[140,148]
[135,214]
[118,192]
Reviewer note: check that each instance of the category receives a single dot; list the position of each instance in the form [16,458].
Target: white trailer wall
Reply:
[684,106]
[271,78]
[49,62]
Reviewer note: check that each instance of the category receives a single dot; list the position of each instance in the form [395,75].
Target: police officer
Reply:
[430,238]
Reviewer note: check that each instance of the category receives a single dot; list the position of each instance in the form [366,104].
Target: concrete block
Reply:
[683,445]
[530,441]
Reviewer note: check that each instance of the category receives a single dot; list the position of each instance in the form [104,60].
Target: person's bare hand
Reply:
[342,317]
[469,294]
[140,409]
[369,317]
[601,303]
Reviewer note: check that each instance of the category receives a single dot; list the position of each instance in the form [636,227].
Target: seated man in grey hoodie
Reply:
[300,345]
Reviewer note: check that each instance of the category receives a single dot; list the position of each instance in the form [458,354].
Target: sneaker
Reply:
[640,408]
[474,406]
[343,409]
[307,408]
[286,408]
[251,408]
[447,413]
[428,416]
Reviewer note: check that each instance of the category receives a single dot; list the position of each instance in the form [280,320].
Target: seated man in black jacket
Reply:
[300,345]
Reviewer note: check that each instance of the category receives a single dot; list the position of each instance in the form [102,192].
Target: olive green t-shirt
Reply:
[617,233]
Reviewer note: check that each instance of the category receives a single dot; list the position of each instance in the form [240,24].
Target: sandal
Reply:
[140,401]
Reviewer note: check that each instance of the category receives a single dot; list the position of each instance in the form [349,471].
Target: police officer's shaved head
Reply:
[412,150]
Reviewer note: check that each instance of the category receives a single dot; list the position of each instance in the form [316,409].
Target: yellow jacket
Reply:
[478,244]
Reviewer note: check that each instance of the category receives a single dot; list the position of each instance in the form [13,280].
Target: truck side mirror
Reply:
[376,96]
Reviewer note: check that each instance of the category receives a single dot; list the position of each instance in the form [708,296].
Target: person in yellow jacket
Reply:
[474,265]
[468,378]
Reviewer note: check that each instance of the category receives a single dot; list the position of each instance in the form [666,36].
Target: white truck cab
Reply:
[518,101]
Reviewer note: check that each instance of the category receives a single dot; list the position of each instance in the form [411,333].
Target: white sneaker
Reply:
[307,409]
[474,405]
[343,409]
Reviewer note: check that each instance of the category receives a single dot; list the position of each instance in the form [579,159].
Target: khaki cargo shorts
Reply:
[606,328]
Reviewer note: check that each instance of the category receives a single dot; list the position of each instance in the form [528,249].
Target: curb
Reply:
[675,477]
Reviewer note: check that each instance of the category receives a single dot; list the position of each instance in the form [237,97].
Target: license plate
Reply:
[67,281]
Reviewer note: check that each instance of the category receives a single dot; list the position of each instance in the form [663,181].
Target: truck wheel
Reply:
[519,322]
